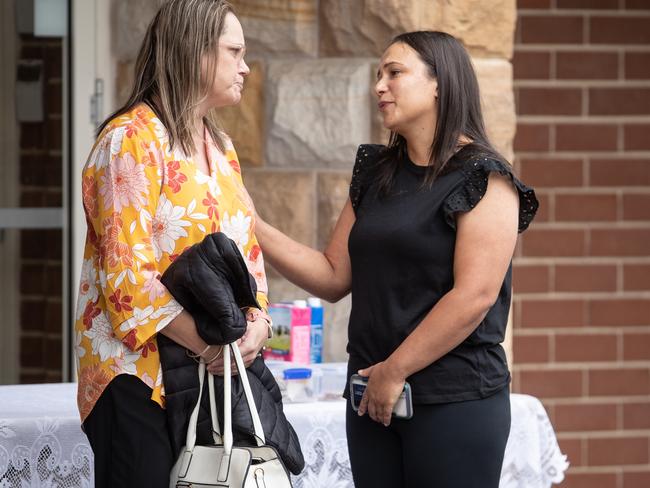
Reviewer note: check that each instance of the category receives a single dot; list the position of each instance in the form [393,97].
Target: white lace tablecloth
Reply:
[42,445]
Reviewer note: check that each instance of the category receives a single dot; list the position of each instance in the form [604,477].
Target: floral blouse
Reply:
[144,204]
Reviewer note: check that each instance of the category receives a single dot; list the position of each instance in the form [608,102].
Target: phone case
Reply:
[403,409]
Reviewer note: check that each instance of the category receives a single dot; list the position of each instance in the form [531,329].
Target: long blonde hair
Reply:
[180,39]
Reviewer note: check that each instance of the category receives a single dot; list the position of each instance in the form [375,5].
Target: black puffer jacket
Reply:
[211,281]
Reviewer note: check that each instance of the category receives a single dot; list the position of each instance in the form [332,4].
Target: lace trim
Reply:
[366,155]
[471,192]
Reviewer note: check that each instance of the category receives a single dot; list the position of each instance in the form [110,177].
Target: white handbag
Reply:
[222,464]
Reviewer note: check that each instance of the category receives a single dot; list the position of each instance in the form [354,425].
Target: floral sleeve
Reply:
[121,192]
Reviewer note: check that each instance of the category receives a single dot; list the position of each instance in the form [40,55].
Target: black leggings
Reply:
[128,435]
[448,445]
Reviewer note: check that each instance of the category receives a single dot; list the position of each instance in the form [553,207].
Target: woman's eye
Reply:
[394,72]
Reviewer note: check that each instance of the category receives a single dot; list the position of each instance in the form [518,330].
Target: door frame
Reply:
[90,60]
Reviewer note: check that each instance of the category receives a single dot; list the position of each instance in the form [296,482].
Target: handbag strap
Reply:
[227,436]
[257,424]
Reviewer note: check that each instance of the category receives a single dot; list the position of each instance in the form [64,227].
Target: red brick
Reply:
[619,101]
[32,315]
[575,65]
[636,347]
[31,352]
[53,281]
[544,209]
[53,317]
[552,172]
[553,242]
[530,349]
[619,311]
[620,242]
[530,279]
[572,449]
[531,65]
[549,29]
[585,208]
[636,415]
[28,378]
[615,382]
[636,277]
[619,172]
[588,277]
[589,480]
[617,451]
[586,137]
[52,355]
[588,4]
[636,479]
[636,207]
[32,135]
[619,30]
[532,137]
[636,136]
[533,4]
[552,313]
[637,66]
[551,383]
[581,417]
[583,347]
[549,101]
[32,279]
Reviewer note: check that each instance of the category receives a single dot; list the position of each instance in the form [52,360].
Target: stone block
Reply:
[333,189]
[244,122]
[365,27]
[286,200]
[123,83]
[318,112]
[497,97]
[335,316]
[279,27]
[130,21]
[487,29]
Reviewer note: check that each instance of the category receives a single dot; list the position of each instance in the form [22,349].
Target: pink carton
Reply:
[291,333]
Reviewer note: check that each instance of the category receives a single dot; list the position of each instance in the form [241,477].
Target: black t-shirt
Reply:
[402,255]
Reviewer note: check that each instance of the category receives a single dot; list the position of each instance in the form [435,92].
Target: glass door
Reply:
[33,191]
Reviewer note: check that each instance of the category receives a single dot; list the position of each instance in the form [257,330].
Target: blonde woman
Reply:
[160,177]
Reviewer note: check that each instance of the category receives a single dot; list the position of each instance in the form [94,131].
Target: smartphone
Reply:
[403,409]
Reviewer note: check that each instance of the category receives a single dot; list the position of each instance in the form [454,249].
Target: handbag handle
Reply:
[227,436]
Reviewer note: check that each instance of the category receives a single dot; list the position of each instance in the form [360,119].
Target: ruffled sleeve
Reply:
[361,174]
[474,185]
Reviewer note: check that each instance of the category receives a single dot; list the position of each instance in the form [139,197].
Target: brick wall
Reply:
[582,276]
[40,256]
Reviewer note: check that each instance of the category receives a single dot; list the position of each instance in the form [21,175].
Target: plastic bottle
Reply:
[316,332]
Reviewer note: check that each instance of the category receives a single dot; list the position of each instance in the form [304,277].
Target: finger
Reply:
[366,372]
[363,405]
[386,416]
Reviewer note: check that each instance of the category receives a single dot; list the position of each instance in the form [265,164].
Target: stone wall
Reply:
[308,102]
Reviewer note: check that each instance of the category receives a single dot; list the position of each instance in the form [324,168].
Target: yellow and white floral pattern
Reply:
[144,204]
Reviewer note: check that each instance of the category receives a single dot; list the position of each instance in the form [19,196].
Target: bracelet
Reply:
[216,356]
[199,355]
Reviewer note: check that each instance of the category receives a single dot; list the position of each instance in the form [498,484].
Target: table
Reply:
[42,445]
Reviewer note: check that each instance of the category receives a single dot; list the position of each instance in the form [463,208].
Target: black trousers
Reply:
[451,445]
[128,435]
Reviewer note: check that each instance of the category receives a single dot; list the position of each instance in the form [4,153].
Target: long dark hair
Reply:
[458,110]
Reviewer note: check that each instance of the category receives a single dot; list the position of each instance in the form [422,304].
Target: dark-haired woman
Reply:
[160,177]
[424,244]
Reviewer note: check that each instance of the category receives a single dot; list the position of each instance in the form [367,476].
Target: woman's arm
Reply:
[485,243]
[182,330]
[323,274]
